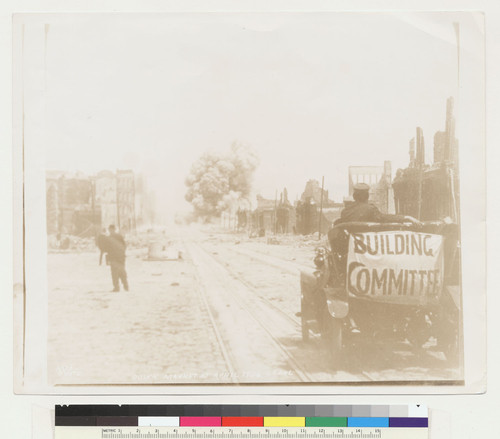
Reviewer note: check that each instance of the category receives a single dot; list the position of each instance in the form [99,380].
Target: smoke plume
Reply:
[218,181]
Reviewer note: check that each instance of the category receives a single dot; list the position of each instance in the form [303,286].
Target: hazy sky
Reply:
[312,93]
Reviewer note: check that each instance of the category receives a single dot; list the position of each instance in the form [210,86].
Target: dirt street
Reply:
[223,313]
[156,332]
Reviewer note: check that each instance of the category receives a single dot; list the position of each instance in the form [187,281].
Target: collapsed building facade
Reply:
[71,205]
[315,210]
[431,192]
[276,216]
[83,205]
[280,216]
[427,192]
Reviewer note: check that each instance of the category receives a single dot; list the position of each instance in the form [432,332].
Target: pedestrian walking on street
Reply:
[115,248]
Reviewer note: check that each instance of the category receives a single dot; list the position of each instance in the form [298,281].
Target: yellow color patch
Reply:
[284,421]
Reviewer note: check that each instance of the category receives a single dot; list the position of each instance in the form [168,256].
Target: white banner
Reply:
[395,265]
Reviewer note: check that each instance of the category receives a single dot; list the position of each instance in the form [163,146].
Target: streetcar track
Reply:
[222,346]
[252,287]
[297,369]
[248,284]
[383,374]
[367,375]
[297,323]
[267,301]
[274,261]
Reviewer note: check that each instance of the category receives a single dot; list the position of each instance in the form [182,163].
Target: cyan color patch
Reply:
[368,422]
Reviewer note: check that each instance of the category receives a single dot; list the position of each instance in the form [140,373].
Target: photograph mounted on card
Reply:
[249,199]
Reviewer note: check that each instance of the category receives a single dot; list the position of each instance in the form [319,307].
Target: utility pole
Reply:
[321,207]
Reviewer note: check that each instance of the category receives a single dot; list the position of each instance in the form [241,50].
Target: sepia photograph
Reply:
[244,198]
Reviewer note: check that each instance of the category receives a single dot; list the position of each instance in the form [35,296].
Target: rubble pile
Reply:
[69,243]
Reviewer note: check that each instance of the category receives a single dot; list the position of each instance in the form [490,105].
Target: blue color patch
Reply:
[368,422]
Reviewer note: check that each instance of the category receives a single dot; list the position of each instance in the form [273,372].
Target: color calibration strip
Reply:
[269,421]
[409,416]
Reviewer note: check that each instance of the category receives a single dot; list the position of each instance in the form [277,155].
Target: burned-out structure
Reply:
[285,214]
[431,192]
[313,212]
[82,205]
[70,204]
[125,200]
[273,216]
[263,217]
[307,216]
[316,212]
[105,194]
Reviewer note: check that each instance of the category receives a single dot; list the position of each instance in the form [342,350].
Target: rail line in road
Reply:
[309,358]
[247,343]
[360,376]
[404,366]
[275,261]
[385,374]
[251,287]
[231,370]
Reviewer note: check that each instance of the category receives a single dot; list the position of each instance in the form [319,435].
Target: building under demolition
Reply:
[427,192]
[313,212]
[275,216]
[316,212]
[431,192]
[70,201]
[125,204]
[83,205]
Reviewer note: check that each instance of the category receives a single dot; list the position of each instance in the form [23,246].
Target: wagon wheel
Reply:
[304,324]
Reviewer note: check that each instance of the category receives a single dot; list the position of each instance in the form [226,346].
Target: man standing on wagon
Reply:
[116,255]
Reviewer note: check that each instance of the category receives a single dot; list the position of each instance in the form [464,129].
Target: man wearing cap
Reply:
[115,247]
[361,210]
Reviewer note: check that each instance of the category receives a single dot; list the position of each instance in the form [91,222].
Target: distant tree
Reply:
[218,181]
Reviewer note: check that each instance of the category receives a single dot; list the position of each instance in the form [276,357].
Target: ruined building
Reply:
[274,216]
[285,214]
[431,192]
[81,205]
[70,204]
[125,200]
[307,212]
[105,189]
[313,191]
[445,142]
[315,213]
[280,216]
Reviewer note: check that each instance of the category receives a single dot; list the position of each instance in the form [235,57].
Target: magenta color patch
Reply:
[200,421]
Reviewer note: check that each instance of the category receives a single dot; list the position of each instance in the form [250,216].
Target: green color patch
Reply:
[326,422]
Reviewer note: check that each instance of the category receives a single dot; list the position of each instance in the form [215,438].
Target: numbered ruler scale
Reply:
[91,426]
[238,433]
